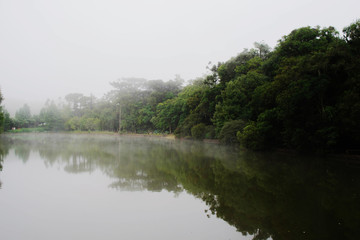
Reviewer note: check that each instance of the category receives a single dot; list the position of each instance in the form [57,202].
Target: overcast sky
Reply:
[49,48]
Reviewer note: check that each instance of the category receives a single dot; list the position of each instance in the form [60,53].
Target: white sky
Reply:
[49,48]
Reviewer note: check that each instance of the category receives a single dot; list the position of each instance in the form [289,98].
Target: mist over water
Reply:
[109,186]
[212,70]
[104,187]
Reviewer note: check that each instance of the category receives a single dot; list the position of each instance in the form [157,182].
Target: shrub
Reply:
[229,130]
[184,129]
[210,132]
[198,131]
[249,137]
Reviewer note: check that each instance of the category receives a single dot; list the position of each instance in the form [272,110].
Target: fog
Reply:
[51,48]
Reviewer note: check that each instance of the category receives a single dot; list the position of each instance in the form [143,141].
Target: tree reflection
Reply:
[264,195]
[4,150]
[286,200]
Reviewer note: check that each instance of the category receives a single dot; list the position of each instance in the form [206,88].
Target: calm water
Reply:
[108,187]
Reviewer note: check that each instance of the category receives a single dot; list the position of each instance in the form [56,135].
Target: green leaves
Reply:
[23,117]
[168,115]
[304,95]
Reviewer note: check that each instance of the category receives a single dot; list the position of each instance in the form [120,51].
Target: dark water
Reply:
[108,187]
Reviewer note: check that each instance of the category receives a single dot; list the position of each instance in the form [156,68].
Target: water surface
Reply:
[69,186]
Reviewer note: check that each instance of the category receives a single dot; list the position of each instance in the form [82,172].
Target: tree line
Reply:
[302,95]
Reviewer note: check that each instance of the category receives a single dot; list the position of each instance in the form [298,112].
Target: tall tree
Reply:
[51,116]
[8,122]
[23,117]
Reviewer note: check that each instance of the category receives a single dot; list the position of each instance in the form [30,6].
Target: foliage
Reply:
[167,115]
[1,116]
[249,136]
[238,95]
[229,130]
[210,132]
[51,118]
[8,122]
[303,95]
[198,131]
[23,117]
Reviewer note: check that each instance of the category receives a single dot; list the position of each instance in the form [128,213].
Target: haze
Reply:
[51,48]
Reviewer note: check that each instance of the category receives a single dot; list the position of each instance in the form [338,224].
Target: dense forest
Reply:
[303,95]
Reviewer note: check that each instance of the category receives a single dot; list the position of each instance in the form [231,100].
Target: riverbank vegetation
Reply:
[303,95]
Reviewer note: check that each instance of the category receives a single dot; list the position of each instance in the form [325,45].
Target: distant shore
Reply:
[351,157]
[155,135]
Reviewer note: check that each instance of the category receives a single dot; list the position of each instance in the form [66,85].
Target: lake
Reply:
[84,186]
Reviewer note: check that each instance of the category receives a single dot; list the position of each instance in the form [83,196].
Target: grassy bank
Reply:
[26,130]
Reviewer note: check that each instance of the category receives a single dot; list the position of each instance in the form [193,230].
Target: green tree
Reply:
[23,117]
[137,99]
[89,124]
[228,132]
[307,83]
[237,98]
[190,111]
[1,115]
[51,117]
[168,115]
[198,131]
[75,100]
[348,105]
[73,124]
[8,122]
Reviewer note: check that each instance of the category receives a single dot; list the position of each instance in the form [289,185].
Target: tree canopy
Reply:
[303,94]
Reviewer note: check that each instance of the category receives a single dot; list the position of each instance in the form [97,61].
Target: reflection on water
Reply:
[264,195]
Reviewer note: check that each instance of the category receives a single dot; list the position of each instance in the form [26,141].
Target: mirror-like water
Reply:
[108,187]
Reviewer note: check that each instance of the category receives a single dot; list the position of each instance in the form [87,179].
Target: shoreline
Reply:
[350,157]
